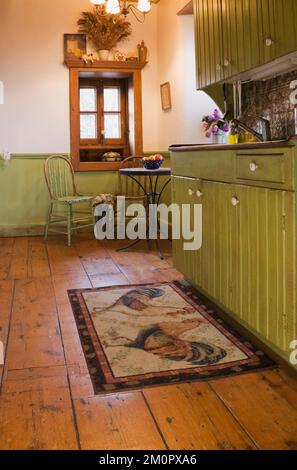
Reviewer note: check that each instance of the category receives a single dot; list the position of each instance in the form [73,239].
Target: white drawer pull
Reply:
[234,201]
[199,193]
[190,192]
[253,166]
[269,42]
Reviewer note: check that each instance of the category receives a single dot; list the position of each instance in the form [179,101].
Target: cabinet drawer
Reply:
[257,167]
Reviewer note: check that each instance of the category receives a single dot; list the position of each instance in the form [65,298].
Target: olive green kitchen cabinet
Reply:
[241,36]
[234,36]
[278,31]
[267,278]
[209,42]
[213,267]
[227,38]
[247,262]
[183,190]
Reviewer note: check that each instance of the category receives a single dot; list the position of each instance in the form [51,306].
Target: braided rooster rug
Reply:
[146,335]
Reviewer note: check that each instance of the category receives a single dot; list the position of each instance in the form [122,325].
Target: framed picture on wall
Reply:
[75,45]
[166,96]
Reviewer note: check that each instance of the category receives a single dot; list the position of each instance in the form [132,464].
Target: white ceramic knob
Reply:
[226,63]
[253,166]
[190,192]
[199,193]
[234,201]
[269,42]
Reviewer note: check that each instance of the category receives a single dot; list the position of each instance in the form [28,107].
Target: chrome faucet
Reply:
[265,136]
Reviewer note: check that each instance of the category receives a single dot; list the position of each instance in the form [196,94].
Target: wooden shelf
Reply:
[105,65]
[102,147]
[188,9]
[98,166]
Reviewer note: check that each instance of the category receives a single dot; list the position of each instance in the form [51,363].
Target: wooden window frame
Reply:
[99,85]
[115,70]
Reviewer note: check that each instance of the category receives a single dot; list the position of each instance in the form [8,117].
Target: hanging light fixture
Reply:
[124,7]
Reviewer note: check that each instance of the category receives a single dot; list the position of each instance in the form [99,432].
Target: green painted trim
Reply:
[35,156]
[44,156]
[31,230]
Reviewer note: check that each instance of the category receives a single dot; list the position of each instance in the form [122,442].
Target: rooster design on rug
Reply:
[138,300]
[163,340]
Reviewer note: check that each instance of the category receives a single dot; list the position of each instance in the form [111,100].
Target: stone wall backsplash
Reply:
[271,100]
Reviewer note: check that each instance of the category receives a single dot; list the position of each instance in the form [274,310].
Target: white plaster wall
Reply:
[35,115]
[176,49]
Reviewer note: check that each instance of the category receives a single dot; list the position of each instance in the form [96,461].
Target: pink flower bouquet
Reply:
[214,124]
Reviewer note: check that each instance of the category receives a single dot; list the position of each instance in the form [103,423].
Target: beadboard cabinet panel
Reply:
[214,267]
[209,42]
[278,32]
[267,276]
[285,27]
[184,191]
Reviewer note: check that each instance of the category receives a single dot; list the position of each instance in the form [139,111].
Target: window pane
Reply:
[88,126]
[112,126]
[111,99]
[88,99]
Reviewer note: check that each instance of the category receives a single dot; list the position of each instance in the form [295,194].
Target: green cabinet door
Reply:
[228,39]
[241,36]
[208,41]
[214,267]
[217,265]
[267,276]
[278,28]
[268,30]
[285,21]
[184,192]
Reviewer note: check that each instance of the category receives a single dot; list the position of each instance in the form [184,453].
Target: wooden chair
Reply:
[59,176]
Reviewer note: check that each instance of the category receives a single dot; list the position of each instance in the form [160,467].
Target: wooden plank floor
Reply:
[47,399]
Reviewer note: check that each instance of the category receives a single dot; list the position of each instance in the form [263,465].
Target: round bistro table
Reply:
[153,196]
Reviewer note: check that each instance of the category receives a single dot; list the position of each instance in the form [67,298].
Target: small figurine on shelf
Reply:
[88,58]
[142,52]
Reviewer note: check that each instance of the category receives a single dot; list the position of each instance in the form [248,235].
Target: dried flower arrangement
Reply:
[103,31]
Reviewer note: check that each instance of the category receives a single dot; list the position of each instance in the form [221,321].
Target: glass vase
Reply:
[220,138]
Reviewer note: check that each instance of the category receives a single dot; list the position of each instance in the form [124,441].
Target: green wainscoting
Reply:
[24,196]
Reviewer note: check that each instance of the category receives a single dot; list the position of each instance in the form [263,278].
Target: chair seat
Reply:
[74,199]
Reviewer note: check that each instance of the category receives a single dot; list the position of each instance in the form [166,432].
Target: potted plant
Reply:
[216,127]
[105,32]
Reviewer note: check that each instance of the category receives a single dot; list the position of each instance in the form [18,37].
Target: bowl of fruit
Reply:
[154,162]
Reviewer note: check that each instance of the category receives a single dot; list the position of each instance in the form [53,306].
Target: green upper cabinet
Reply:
[279,28]
[234,36]
[208,28]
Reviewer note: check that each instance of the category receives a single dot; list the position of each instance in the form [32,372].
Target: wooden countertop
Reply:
[252,145]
